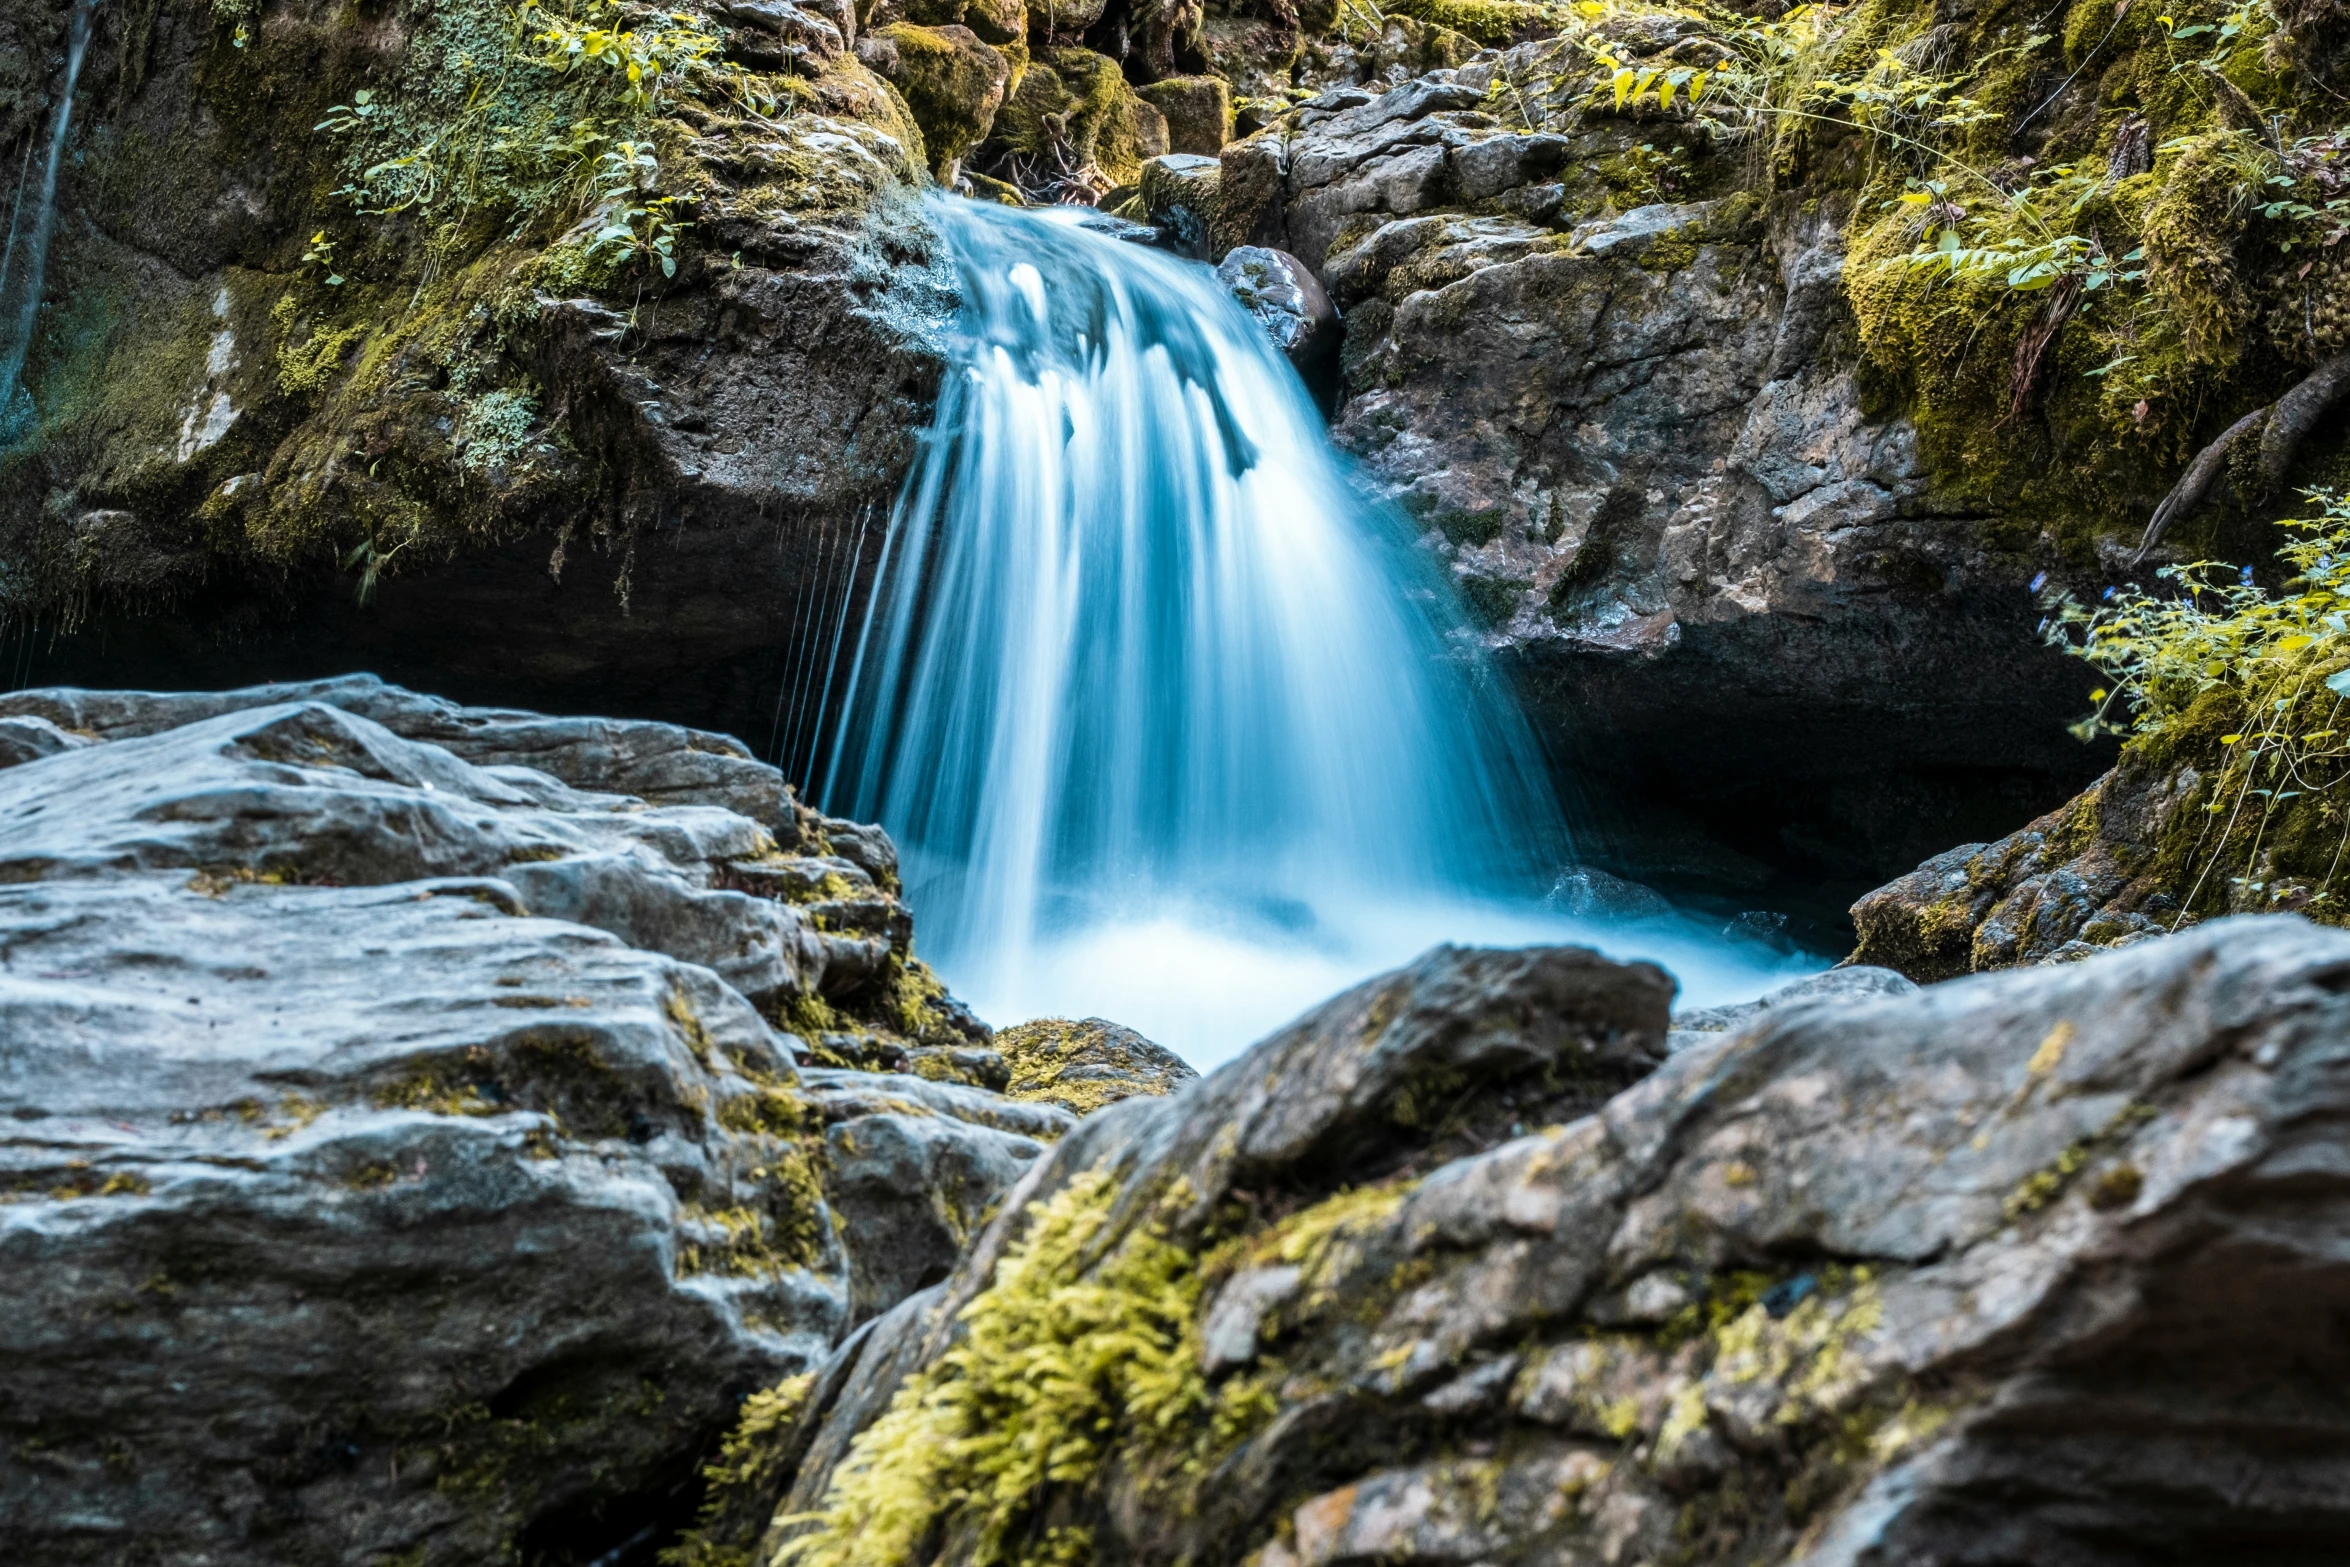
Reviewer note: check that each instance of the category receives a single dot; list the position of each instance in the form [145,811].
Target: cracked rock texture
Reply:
[2035,1267]
[415,1144]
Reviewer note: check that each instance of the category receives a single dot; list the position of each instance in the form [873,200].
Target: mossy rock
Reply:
[1082,1066]
[952,83]
[1198,111]
[1490,22]
[1075,102]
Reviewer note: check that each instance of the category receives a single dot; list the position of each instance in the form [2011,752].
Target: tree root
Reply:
[2282,426]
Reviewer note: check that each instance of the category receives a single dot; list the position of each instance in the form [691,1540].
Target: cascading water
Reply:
[24,259]
[1169,724]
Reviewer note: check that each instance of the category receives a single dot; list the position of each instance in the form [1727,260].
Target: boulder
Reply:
[2033,1267]
[1082,1066]
[1198,111]
[411,1158]
[1285,298]
[1178,193]
[952,82]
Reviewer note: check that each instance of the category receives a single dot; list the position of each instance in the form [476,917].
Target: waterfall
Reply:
[1169,724]
[22,265]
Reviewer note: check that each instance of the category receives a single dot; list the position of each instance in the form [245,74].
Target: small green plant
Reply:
[635,222]
[321,255]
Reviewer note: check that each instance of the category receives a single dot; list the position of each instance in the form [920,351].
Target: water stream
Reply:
[24,256]
[1170,725]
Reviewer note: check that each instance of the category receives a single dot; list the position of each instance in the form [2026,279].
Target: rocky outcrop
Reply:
[417,1148]
[1463,1268]
[1615,387]
[630,438]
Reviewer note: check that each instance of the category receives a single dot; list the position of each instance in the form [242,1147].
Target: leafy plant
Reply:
[2275,667]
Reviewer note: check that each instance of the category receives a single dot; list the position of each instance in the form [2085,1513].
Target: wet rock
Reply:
[1286,300]
[27,737]
[1082,1066]
[2032,1267]
[409,1158]
[1179,195]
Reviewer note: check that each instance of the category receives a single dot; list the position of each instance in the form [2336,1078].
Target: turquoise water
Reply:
[1171,726]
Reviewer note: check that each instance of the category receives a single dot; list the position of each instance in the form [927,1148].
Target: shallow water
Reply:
[1171,726]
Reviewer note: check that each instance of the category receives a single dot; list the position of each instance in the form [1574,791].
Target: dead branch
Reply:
[2282,426]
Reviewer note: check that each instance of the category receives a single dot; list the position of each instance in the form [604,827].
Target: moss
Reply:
[1065,1357]
[1076,103]
[1491,22]
[743,1481]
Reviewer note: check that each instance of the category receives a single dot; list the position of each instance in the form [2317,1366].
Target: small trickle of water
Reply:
[1171,727]
[24,256]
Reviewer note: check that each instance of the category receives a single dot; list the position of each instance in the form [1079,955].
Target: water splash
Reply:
[1169,725]
[24,263]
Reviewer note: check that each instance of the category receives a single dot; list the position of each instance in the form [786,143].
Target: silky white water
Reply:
[1170,725]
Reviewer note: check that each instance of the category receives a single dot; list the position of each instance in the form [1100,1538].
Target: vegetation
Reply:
[2242,690]
[1062,1357]
[2080,242]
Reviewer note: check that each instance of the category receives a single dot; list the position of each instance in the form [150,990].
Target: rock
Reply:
[1083,1066]
[199,492]
[1287,301]
[952,82]
[26,737]
[2110,868]
[778,34]
[997,21]
[913,1168]
[1198,111]
[1072,112]
[1709,565]
[1835,987]
[2032,1267]
[408,1162]
[1586,892]
[1179,194]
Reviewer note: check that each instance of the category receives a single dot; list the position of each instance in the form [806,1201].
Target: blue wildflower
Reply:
[2247,576]
[2039,582]
[2109,593]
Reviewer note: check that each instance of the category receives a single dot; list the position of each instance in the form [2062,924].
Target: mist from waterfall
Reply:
[24,255]
[1170,725]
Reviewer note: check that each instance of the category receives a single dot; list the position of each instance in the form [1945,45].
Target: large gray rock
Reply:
[408,1156]
[1623,407]
[2035,1267]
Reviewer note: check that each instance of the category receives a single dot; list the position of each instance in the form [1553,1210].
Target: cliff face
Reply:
[376,328]
[570,369]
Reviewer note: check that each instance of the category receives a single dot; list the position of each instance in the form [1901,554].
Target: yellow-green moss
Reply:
[1065,1357]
